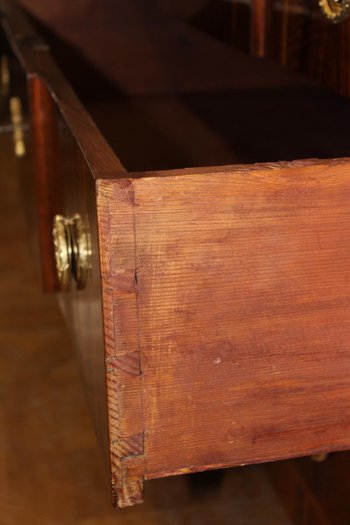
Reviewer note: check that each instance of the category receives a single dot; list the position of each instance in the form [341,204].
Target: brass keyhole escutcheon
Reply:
[72,251]
[335,10]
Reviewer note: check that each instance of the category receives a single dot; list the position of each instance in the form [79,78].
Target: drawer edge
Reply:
[122,355]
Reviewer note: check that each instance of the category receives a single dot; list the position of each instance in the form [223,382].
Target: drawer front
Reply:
[71,191]
[74,192]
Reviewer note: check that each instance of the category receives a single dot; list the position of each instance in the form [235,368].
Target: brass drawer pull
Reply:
[335,10]
[72,251]
[4,77]
[319,458]
[17,126]
[15,107]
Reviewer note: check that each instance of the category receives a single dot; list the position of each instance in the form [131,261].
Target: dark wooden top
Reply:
[144,50]
[186,99]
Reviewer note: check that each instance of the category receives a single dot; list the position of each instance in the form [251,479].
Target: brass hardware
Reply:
[335,10]
[17,123]
[63,251]
[72,251]
[319,458]
[4,76]
[81,251]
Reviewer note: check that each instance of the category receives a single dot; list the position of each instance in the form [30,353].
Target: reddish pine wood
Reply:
[115,202]
[243,290]
[48,447]
[214,327]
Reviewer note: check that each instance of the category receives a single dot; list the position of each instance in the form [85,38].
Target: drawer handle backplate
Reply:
[72,251]
[335,10]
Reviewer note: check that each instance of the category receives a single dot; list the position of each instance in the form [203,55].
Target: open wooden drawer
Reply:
[210,305]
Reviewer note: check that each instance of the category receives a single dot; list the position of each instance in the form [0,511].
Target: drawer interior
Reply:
[188,99]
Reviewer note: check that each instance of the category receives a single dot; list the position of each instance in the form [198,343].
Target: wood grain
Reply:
[169,56]
[109,362]
[123,373]
[243,303]
[51,470]
[69,154]
[301,38]
[46,173]
[214,328]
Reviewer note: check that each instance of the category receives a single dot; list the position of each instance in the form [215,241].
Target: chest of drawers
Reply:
[203,269]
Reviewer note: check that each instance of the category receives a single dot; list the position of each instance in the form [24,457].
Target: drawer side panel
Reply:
[244,308]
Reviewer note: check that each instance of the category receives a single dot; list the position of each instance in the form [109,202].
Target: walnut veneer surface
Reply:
[295,33]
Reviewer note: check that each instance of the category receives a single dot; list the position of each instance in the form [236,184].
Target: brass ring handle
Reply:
[335,10]
[72,251]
